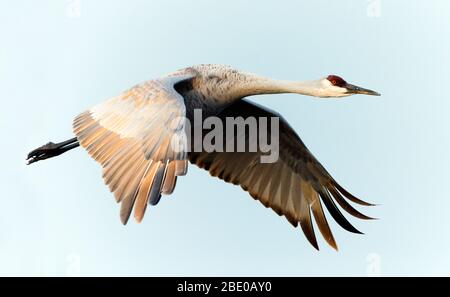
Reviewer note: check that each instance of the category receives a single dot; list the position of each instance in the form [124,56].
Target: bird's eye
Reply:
[336,80]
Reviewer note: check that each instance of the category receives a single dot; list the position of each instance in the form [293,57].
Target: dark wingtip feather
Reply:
[336,214]
[154,200]
[310,236]
[350,196]
[308,230]
[346,206]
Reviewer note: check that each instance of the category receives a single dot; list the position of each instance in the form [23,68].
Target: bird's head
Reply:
[336,86]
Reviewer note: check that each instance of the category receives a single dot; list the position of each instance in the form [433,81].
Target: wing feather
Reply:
[170,179]
[295,185]
[131,136]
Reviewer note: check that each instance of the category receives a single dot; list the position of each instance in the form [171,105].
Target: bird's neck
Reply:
[258,85]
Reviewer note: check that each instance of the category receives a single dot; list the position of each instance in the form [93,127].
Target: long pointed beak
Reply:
[352,89]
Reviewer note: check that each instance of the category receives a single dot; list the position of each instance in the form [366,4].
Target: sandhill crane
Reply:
[129,136]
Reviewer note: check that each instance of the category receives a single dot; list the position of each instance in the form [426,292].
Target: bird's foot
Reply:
[44,152]
[51,150]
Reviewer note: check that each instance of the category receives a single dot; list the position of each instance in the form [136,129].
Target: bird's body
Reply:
[139,138]
[214,87]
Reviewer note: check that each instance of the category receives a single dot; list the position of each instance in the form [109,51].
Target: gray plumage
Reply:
[128,136]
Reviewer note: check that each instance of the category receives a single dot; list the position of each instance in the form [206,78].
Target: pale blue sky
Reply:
[392,150]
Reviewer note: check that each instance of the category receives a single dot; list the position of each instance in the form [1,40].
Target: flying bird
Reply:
[131,136]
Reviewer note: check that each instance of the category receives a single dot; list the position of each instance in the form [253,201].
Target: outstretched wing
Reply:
[294,186]
[139,139]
